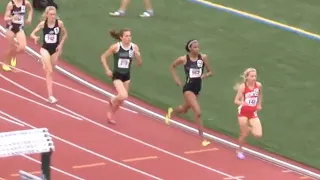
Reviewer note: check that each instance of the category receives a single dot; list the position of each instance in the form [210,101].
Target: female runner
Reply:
[14,17]
[249,100]
[51,49]
[194,64]
[123,53]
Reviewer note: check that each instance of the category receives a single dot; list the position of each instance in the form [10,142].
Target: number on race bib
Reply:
[195,73]
[252,101]
[123,63]
[23,9]
[50,38]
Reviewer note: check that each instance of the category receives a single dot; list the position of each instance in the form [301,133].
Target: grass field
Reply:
[287,64]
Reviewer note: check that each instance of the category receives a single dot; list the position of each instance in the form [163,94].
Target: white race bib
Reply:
[23,9]
[123,63]
[50,38]
[195,73]
[18,19]
[252,101]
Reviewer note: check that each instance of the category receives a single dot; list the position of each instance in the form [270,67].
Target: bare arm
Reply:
[7,15]
[106,54]
[238,98]
[30,11]
[38,28]
[260,94]
[63,31]
[137,55]
[179,61]
[207,66]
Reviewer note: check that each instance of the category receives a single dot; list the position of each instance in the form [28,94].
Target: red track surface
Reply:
[90,149]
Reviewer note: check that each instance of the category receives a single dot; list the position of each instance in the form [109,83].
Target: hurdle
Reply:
[26,142]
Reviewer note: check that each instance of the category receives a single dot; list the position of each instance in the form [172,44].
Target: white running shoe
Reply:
[52,100]
[117,14]
[146,14]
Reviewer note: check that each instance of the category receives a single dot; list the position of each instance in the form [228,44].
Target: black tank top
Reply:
[193,69]
[51,36]
[123,59]
[19,12]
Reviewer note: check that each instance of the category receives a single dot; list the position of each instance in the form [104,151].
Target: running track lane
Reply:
[93,134]
[95,138]
[66,156]
[10,166]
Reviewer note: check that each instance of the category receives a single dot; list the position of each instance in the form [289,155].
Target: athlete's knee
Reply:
[243,136]
[256,129]
[197,112]
[244,128]
[49,71]
[183,109]
[244,133]
[21,47]
[123,95]
[54,64]
[257,134]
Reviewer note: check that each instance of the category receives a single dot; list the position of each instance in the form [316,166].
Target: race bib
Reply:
[18,19]
[252,101]
[50,38]
[195,73]
[23,9]
[123,63]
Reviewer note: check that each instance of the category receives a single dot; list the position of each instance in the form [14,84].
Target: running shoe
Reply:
[117,14]
[147,14]
[52,100]
[6,67]
[111,121]
[168,115]
[13,62]
[205,143]
[240,155]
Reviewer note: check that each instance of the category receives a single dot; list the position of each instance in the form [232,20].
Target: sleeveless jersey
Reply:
[19,13]
[251,97]
[194,69]
[123,59]
[51,35]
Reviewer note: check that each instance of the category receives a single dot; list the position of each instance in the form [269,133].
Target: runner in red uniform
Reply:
[249,99]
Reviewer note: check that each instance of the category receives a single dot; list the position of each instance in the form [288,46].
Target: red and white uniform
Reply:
[251,98]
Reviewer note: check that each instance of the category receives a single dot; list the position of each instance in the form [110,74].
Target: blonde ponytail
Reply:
[236,86]
[244,77]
